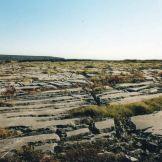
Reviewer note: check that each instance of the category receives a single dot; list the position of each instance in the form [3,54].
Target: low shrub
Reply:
[5,133]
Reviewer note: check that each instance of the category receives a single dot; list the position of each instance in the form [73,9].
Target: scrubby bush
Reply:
[5,133]
[112,80]
[137,77]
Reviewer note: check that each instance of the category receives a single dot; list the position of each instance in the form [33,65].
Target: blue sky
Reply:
[96,29]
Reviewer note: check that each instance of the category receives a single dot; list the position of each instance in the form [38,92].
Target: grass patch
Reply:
[137,108]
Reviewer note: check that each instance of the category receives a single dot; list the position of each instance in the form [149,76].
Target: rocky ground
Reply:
[36,98]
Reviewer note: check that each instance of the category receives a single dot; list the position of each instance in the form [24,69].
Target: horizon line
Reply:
[91,59]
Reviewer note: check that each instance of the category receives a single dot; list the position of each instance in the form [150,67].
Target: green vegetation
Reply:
[138,108]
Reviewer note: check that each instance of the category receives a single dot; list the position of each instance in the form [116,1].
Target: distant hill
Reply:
[4,58]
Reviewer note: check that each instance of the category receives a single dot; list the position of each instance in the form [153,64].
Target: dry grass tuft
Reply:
[138,108]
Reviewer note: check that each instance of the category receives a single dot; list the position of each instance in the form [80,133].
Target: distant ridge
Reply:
[23,58]
[4,58]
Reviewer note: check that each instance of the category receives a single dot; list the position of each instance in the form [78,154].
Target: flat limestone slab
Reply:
[152,121]
[15,143]
[136,99]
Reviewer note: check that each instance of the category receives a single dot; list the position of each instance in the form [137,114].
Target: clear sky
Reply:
[96,29]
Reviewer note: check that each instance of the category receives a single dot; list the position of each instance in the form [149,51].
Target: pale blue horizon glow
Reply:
[94,29]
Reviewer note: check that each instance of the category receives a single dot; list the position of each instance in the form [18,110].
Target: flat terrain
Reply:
[46,91]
